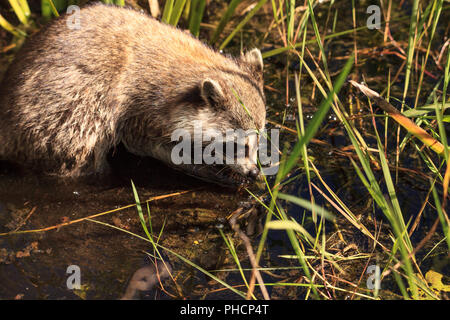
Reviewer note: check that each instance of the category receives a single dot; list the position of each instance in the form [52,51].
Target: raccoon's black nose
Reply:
[254,173]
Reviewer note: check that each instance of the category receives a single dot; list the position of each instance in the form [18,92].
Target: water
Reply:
[106,257]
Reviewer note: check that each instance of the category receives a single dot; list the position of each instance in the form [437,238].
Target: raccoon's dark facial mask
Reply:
[233,175]
[223,101]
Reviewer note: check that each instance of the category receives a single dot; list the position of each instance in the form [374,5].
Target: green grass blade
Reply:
[9,27]
[167,12]
[307,205]
[187,261]
[316,121]
[18,10]
[291,19]
[177,12]
[443,220]
[25,8]
[318,38]
[139,209]
[440,111]
[196,15]
[411,45]
[243,23]
[224,21]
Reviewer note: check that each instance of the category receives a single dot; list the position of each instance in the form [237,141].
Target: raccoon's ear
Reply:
[212,92]
[254,59]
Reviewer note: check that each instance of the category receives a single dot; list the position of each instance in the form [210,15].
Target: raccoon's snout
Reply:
[253,173]
[250,168]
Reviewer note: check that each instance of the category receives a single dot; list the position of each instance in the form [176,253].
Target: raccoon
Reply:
[75,92]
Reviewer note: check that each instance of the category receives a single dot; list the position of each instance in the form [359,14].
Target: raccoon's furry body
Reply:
[73,94]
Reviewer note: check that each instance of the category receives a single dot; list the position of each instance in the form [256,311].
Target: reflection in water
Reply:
[145,278]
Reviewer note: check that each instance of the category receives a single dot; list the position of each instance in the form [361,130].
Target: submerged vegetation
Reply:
[360,198]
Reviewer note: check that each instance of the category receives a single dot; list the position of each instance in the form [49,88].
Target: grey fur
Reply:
[71,96]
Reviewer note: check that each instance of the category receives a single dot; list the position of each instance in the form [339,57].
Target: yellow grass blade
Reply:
[8,26]
[405,122]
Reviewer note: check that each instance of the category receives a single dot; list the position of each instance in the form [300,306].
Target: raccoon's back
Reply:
[68,77]
[110,44]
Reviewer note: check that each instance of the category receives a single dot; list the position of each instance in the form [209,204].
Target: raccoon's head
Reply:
[232,113]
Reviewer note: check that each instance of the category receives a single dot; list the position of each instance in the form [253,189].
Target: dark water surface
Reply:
[34,265]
